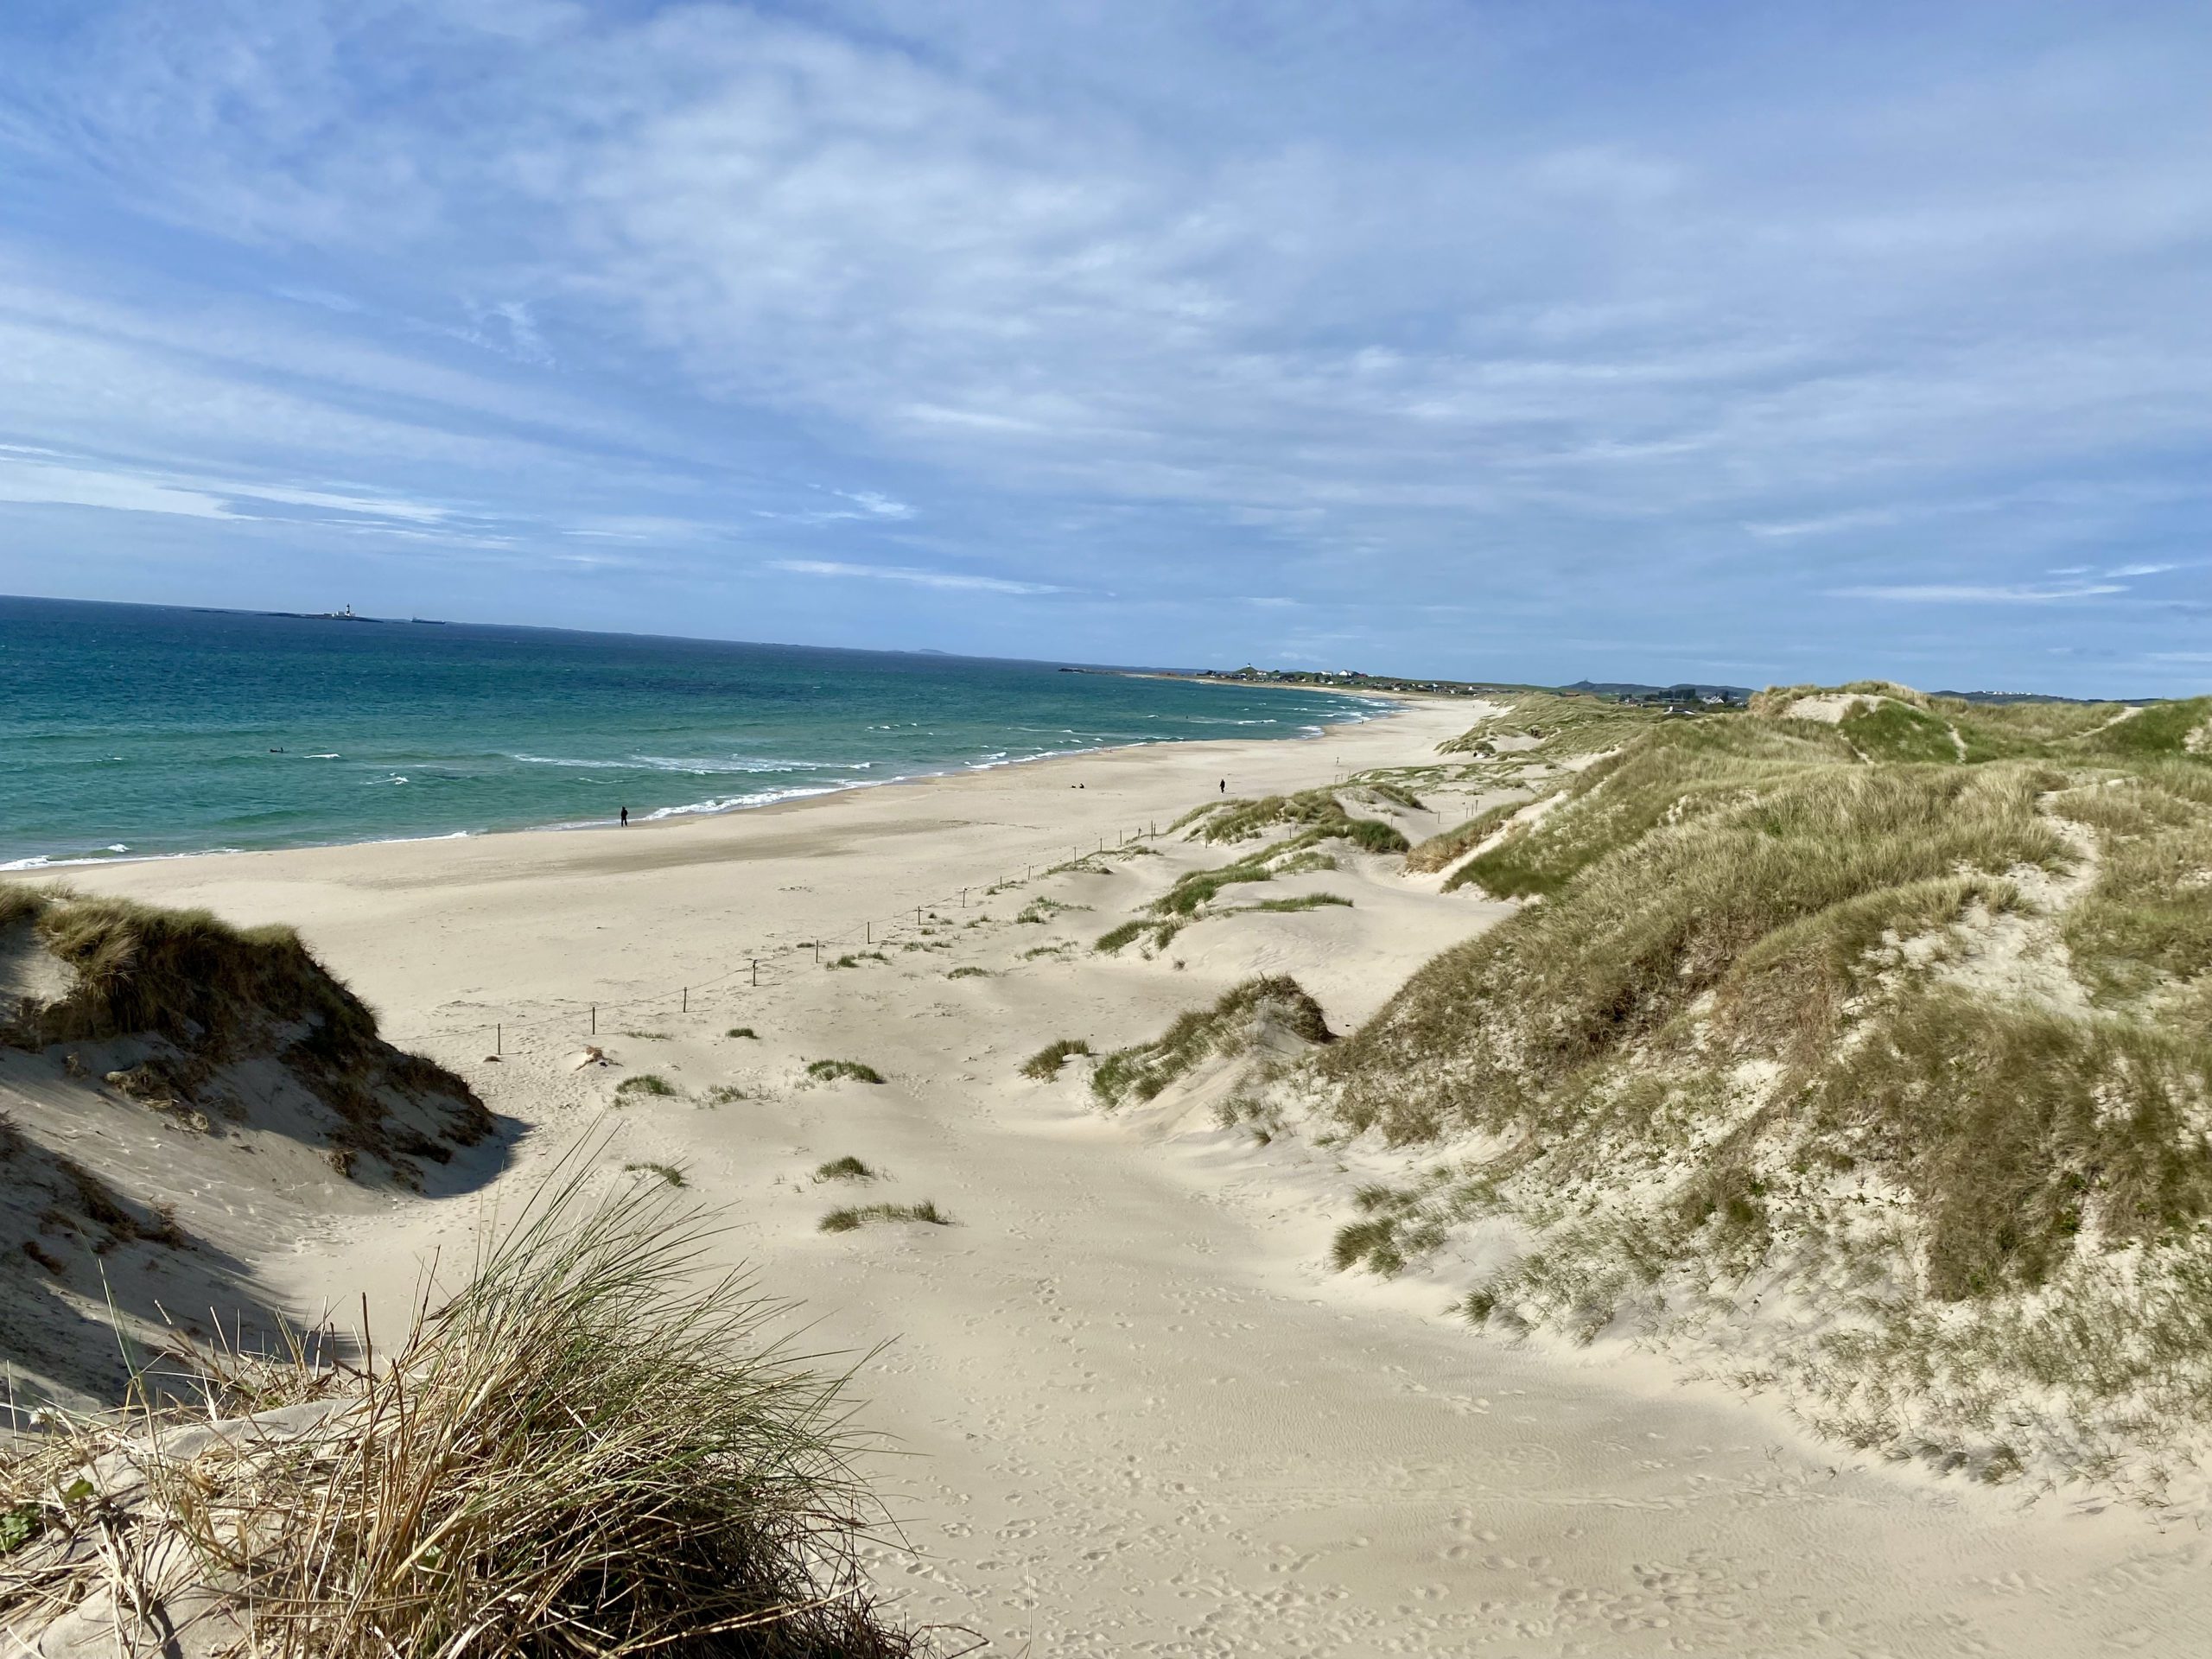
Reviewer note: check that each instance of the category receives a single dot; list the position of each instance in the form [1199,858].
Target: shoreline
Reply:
[36,865]
[1136,1407]
[944,833]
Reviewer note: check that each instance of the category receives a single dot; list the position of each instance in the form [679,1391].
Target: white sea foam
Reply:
[736,764]
[110,855]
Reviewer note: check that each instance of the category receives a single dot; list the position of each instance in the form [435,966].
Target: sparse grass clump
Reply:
[1047,1062]
[1317,813]
[743,1031]
[968,973]
[585,1439]
[1304,902]
[848,1168]
[843,1071]
[852,1218]
[1039,911]
[1115,938]
[669,1174]
[1142,1071]
[647,1036]
[644,1084]
[1442,850]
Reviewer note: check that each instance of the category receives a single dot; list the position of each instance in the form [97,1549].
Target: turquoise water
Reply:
[133,731]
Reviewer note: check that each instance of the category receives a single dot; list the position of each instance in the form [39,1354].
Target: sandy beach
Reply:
[1126,1406]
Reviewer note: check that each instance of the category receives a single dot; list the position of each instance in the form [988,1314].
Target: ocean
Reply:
[130,731]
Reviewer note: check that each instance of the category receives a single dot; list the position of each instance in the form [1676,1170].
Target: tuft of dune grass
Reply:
[1304,902]
[1047,1062]
[646,1082]
[848,1168]
[852,1219]
[589,1450]
[837,1071]
[1142,1070]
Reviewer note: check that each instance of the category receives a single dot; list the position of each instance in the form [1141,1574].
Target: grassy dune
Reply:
[207,996]
[1875,1034]
[585,1451]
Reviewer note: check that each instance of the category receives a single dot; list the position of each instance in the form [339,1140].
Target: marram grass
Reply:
[595,1449]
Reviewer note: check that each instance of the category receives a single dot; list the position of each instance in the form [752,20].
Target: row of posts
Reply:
[868,934]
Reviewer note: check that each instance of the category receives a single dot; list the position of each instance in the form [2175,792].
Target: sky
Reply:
[1750,342]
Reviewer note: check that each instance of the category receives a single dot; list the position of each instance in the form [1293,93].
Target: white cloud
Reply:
[80,486]
[905,573]
[1858,518]
[876,506]
[1966,593]
[1334,318]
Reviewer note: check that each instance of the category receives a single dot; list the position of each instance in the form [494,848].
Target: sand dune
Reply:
[1136,1411]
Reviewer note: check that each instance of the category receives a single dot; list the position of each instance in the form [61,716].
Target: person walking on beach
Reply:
[1224,785]
[625,817]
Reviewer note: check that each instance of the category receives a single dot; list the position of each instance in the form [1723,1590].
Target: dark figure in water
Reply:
[625,817]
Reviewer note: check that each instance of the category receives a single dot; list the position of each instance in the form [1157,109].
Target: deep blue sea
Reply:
[130,731]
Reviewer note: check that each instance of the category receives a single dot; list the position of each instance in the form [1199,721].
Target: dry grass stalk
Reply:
[586,1451]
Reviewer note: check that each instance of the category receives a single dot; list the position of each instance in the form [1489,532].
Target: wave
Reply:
[739,766]
[740,803]
[117,854]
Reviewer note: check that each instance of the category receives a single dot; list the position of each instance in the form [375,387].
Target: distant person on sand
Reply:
[1224,785]
[625,817]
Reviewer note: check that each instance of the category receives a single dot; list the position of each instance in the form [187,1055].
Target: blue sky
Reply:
[1750,342]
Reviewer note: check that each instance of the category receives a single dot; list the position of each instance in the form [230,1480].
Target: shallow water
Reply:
[139,731]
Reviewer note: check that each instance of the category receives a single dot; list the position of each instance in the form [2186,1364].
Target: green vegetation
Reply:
[1039,911]
[723,1094]
[968,973]
[671,1174]
[742,1031]
[643,1084]
[1047,1062]
[1444,848]
[216,995]
[1186,901]
[852,1218]
[1304,902]
[1901,1018]
[834,1071]
[1553,727]
[848,1168]
[1128,933]
[647,1036]
[1229,1027]
[1317,813]
[588,1438]
[854,958]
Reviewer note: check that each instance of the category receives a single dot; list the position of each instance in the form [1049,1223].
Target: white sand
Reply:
[1142,1416]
